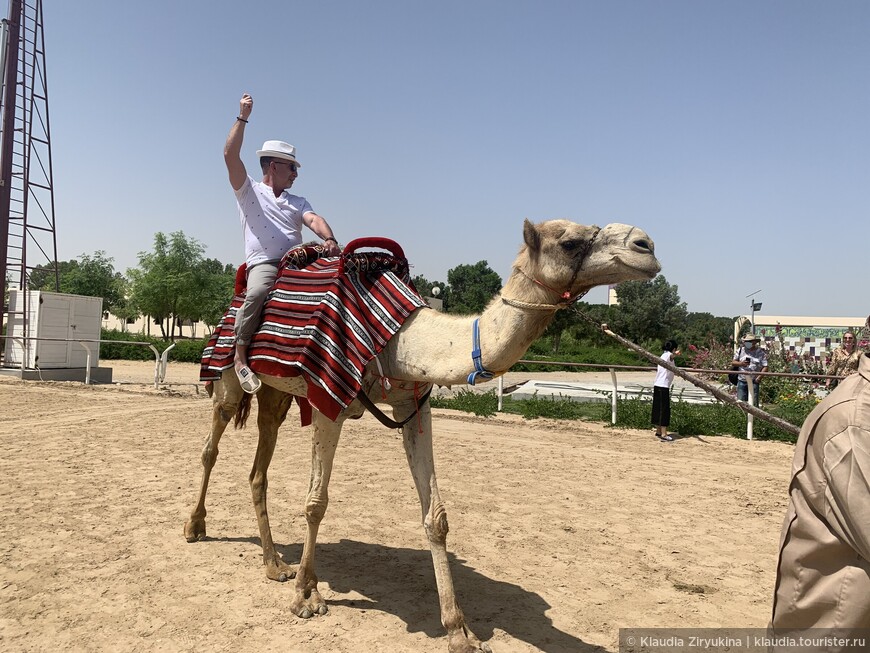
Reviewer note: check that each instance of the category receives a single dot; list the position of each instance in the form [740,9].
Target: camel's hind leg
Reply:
[307,600]
[272,406]
[225,402]
[417,435]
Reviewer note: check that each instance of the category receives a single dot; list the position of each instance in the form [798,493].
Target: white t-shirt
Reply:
[272,225]
[664,377]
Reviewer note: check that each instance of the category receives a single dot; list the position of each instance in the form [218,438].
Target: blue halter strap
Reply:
[479,369]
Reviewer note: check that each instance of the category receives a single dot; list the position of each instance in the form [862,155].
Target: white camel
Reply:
[559,261]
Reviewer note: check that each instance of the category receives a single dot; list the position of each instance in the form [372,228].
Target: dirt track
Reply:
[561,532]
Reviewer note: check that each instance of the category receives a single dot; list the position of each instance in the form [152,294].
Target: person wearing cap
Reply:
[823,571]
[272,221]
[750,358]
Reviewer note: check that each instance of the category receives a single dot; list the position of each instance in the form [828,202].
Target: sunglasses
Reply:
[292,166]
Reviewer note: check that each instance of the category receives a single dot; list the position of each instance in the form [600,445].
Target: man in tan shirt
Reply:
[823,574]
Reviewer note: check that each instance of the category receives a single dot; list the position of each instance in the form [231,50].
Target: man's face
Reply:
[284,172]
[749,344]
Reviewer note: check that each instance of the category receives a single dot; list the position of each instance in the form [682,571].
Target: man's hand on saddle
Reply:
[246,105]
[332,247]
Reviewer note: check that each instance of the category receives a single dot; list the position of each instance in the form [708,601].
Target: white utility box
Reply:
[53,315]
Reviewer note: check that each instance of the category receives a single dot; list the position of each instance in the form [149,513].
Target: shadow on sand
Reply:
[401,582]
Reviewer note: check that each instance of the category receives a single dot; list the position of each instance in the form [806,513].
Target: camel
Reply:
[559,261]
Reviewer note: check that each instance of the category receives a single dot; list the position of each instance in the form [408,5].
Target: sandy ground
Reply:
[561,532]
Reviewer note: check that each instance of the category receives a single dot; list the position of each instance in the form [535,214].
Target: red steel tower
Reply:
[27,225]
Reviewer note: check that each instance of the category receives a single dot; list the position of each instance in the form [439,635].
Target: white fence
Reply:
[160,359]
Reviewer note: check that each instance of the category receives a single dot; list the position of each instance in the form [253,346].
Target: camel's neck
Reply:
[435,347]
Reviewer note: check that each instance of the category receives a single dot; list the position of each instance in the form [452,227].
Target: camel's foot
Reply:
[308,604]
[194,529]
[280,571]
[462,640]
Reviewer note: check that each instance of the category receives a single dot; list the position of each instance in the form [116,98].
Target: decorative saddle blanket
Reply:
[325,319]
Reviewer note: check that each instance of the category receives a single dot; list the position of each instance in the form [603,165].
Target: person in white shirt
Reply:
[661,408]
[749,358]
[272,220]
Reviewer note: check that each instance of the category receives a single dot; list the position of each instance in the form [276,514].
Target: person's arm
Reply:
[848,499]
[323,231]
[762,361]
[233,147]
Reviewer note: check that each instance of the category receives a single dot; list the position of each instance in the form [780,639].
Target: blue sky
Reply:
[735,133]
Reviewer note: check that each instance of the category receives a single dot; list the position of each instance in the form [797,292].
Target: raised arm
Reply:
[233,147]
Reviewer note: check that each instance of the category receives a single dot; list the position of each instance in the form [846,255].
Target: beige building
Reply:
[148,327]
[805,336]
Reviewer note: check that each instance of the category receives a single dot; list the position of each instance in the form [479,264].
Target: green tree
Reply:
[42,276]
[424,287]
[701,329]
[90,275]
[648,311]
[471,287]
[95,276]
[175,283]
[584,331]
[217,281]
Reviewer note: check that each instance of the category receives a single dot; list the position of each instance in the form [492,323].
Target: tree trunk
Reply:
[557,341]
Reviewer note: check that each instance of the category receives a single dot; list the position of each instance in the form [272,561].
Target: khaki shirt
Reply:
[823,573]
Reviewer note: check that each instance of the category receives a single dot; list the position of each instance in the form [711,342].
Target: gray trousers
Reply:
[261,278]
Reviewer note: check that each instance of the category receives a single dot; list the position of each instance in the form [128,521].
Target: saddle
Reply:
[325,319]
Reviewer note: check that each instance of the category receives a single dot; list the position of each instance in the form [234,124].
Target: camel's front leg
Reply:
[272,406]
[307,600]
[227,393]
[418,447]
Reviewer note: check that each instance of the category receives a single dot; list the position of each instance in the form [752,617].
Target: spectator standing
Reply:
[844,360]
[750,358]
[661,405]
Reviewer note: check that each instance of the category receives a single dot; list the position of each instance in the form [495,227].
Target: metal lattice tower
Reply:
[27,226]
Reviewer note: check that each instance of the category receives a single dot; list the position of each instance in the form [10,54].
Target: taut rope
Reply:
[713,390]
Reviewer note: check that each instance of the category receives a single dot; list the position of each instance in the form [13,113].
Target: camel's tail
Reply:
[243,412]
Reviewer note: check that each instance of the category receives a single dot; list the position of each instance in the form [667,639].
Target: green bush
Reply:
[482,405]
[186,351]
[575,352]
[552,408]
[707,419]
[686,418]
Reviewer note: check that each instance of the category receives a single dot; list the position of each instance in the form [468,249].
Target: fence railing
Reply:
[160,358]
[750,418]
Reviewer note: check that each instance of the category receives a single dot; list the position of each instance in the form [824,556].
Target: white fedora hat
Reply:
[279,150]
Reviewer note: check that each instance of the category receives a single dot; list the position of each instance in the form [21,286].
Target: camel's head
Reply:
[572,257]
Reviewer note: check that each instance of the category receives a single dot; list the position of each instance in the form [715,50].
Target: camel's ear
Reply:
[532,237]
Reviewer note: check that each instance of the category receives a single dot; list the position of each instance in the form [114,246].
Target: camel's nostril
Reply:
[644,244]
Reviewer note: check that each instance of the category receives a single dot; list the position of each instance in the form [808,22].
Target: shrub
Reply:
[481,404]
[709,419]
[186,351]
[575,352]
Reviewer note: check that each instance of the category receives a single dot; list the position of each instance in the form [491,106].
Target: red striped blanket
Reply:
[325,319]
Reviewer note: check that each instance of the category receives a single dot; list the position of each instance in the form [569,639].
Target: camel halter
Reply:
[566,300]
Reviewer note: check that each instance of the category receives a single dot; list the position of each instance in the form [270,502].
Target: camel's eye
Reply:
[570,245]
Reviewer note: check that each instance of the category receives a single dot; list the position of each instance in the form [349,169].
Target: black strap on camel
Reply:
[386,421]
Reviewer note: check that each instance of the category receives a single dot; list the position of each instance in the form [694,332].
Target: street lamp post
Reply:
[755,306]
